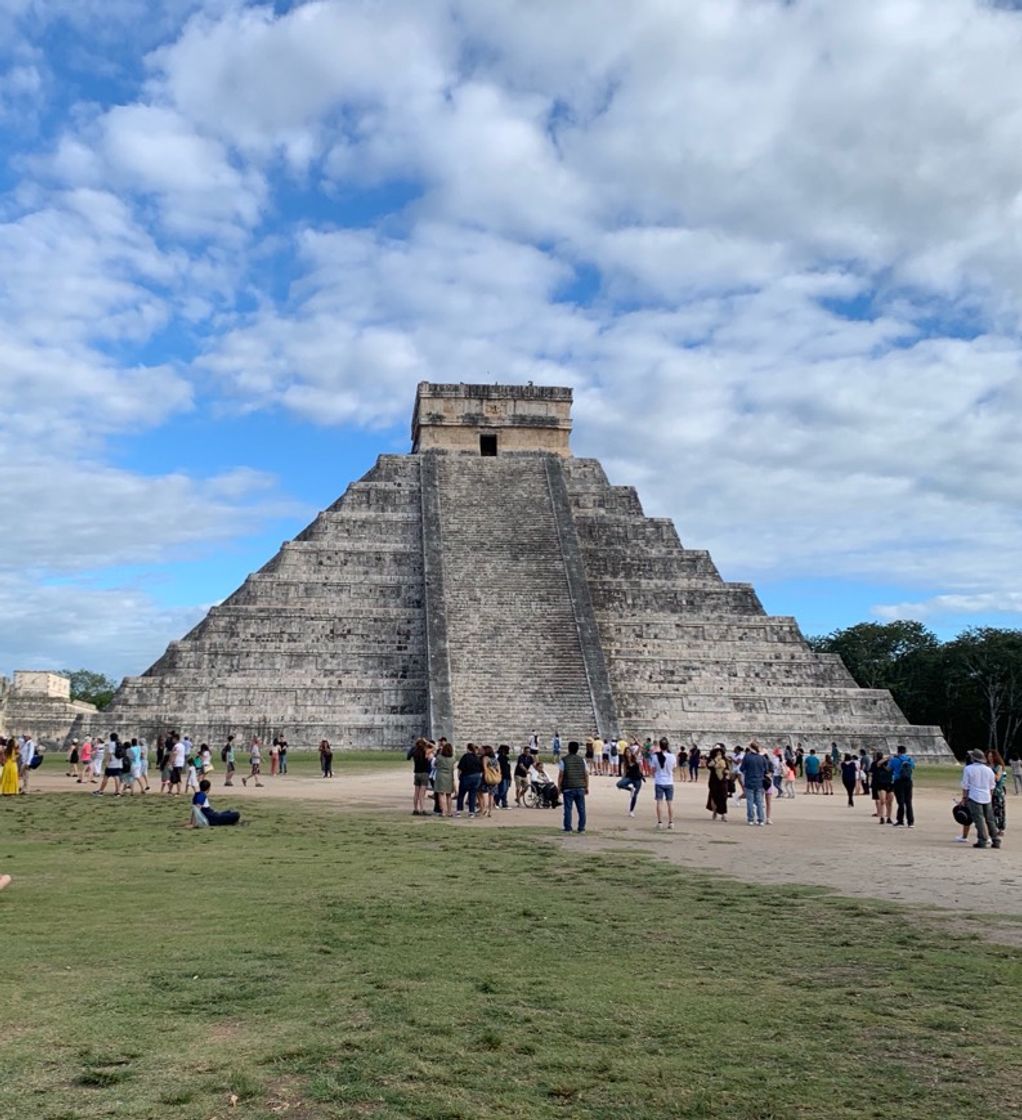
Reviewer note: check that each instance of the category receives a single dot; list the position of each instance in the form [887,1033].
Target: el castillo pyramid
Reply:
[489,584]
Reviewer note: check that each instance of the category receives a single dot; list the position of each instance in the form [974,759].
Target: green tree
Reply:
[93,688]
[985,666]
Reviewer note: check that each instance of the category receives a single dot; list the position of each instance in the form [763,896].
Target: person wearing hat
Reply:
[978,782]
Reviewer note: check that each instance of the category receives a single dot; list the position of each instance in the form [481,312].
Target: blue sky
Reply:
[775,249]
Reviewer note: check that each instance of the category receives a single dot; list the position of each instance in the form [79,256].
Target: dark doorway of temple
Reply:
[487,445]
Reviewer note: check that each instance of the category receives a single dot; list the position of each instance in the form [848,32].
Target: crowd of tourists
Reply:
[482,778]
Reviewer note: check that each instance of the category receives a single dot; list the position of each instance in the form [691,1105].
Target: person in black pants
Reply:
[902,767]
[849,776]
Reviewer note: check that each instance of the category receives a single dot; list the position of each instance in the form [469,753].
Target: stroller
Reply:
[542,795]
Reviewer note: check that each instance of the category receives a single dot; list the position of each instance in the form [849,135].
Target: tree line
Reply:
[970,686]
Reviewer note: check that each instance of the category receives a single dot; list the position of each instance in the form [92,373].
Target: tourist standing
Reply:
[275,758]
[978,783]
[789,779]
[443,777]
[812,771]
[420,776]
[523,764]
[737,758]
[598,748]
[98,757]
[227,757]
[85,756]
[490,782]
[902,767]
[1016,774]
[632,778]
[755,771]
[113,767]
[9,771]
[694,758]
[883,787]
[719,770]
[326,761]
[573,783]
[555,747]
[664,762]
[504,762]
[73,761]
[850,778]
[26,757]
[826,776]
[997,801]
[470,778]
[282,756]
[255,762]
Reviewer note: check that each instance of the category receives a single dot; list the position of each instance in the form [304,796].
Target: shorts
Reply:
[175,775]
[521,784]
[422,779]
[606,756]
[136,773]
[114,772]
[664,793]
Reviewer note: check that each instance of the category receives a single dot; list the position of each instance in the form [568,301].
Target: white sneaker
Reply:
[659,826]
[670,827]
[631,814]
[768,822]
[750,822]
[961,839]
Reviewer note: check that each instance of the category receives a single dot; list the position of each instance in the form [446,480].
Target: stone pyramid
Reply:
[488,585]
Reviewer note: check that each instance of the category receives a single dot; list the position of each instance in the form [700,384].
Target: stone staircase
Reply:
[515,657]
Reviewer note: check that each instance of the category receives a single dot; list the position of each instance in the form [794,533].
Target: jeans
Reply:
[469,785]
[1017,781]
[500,797]
[983,819]
[755,804]
[903,796]
[850,790]
[283,763]
[634,784]
[576,797]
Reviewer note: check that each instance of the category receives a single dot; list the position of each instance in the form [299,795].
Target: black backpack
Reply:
[223,754]
[119,751]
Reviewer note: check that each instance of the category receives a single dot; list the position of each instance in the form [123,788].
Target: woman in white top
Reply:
[663,763]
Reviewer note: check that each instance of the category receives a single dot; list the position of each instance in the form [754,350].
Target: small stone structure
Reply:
[39,704]
[489,584]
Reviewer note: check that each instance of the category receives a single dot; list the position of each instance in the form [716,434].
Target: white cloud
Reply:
[118,631]
[725,175]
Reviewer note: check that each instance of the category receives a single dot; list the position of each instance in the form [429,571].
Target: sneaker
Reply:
[768,822]
[980,844]
[658,826]
[897,824]
[759,824]
[471,815]
[458,813]
[750,822]
[961,839]
[996,844]
[631,814]
[670,828]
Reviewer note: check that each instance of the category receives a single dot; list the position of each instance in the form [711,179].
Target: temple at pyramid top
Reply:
[492,420]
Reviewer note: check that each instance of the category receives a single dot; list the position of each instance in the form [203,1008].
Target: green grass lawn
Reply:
[355,966]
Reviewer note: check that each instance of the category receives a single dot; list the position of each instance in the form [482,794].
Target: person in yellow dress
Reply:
[9,773]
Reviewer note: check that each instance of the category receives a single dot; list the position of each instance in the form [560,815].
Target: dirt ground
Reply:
[817,841]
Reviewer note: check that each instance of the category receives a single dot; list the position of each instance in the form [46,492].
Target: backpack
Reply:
[119,752]
[37,761]
[223,754]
